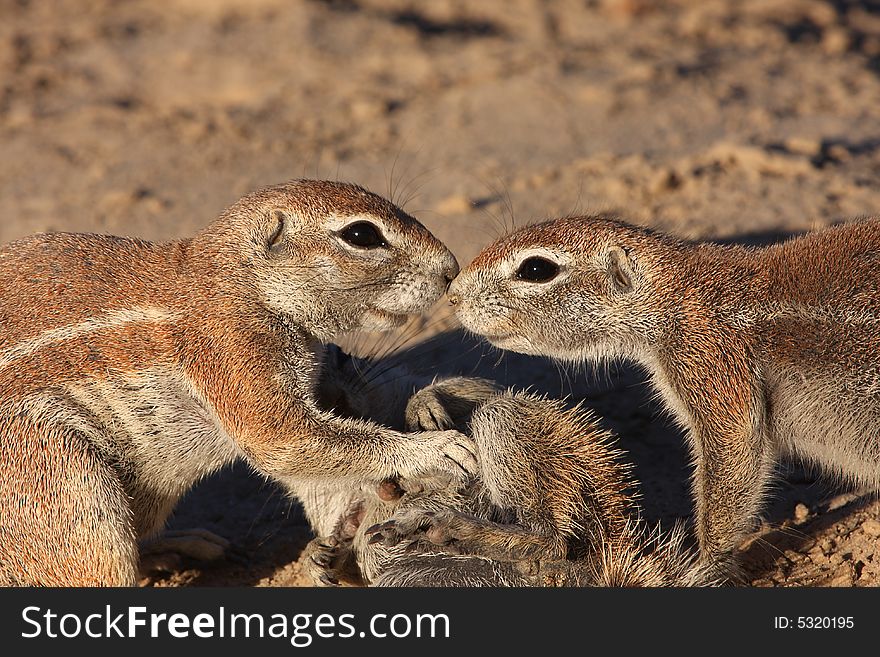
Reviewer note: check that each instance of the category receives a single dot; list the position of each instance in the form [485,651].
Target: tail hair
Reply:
[648,557]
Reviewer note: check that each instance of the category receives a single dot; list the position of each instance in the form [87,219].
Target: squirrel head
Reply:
[575,289]
[332,257]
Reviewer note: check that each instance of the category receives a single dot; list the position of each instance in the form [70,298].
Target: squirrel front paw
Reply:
[330,561]
[440,460]
[447,403]
[415,525]
[325,561]
[427,411]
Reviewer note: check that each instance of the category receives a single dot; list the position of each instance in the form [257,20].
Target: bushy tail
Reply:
[645,557]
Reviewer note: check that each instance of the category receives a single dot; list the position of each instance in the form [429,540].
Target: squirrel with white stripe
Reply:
[758,353]
[130,370]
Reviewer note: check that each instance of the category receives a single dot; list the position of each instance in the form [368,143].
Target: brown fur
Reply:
[757,352]
[551,506]
[130,370]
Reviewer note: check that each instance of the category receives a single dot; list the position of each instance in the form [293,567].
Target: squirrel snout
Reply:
[449,269]
[453,294]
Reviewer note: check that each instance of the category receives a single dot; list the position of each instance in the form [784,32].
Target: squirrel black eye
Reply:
[363,234]
[537,270]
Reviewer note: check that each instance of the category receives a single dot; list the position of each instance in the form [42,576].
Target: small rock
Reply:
[365,109]
[801,513]
[664,181]
[842,579]
[838,153]
[836,41]
[544,178]
[871,527]
[840,501]
[822,14]
[870,572]
[803,146]
[793,556]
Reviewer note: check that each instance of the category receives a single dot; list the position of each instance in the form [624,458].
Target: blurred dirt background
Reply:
[737,120]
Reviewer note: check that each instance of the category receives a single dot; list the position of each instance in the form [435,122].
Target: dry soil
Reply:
[744,121]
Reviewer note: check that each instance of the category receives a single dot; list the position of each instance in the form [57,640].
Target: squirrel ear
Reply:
[620,269]
[276,224]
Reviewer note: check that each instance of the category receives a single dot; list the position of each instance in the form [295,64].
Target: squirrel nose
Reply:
[448,267]
[450,271]
[453,293]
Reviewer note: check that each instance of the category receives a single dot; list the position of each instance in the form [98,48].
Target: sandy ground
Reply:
[733,120]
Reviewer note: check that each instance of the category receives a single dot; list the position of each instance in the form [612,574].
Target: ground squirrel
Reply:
[757,352]
[129,370]
[550,506]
